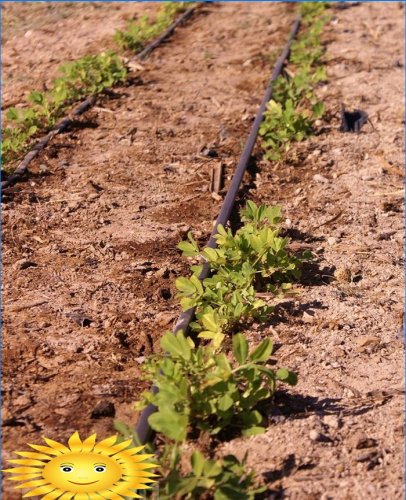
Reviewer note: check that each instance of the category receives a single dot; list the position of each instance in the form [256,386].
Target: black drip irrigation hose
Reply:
[143,430]
[152,46]
[86,105]
[42,143]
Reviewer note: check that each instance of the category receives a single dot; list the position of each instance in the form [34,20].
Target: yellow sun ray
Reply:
[137,466]
[32,454]
[55,445]
[88,443]
[143,473]
[110,495]
[81,496]
[26,461]
[69,496]
[129,494]
[23,477]
[75,443]
[120,446]
[122,489]
[52,495]
[33,484]
[133,451]
[41,490]
[136,457]
[95,496]
[23,470]
[105,445]
[45,449]
[142,480]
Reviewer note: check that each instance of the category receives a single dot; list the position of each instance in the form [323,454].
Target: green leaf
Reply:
[185,285]
[12,114]
[318,109]
[216,337]
[225,402]
[210,322]
[240,348]
[286,376]
[210,254]
[263,351]
[176,345]
[221,230]
[197,461]
[36,97]
[253,431]
[188,249]
[212,469]
[170,423]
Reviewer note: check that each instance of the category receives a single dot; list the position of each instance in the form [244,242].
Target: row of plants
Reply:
[292,113]
[89,75]
[215,386]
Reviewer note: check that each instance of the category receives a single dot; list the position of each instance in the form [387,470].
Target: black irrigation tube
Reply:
[44,141]
[152,46]
[86,105]
[143,431]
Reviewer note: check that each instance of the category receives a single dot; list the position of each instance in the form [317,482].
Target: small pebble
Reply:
[314,435]
[332,421]
[309,316]
[320,178]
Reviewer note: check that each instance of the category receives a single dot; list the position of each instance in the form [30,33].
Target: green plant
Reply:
[283,124]
[145,29]
[291,115]
[300,87]
[225,479]
[199,389]
[311,11]
[254,259]
[86,76]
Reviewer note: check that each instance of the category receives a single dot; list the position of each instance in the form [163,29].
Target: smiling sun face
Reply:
[84,470]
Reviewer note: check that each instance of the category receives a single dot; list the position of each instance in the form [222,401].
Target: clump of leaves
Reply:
[207,391]
[284,124]
[138,33]
[254,259]
[300,87]
[224,479]
[311,11]
[291,115]
[86,76]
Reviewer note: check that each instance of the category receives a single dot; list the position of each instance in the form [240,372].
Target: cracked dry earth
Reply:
[90,259]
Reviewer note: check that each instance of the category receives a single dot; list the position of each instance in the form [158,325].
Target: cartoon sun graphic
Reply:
[84,471]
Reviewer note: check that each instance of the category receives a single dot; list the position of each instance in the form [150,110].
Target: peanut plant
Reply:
[223,479]
[200,389]
[137,34]
[291,114]
[86,76]
[254,259]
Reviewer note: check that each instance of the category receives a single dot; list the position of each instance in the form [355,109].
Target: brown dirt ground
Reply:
[91,238]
